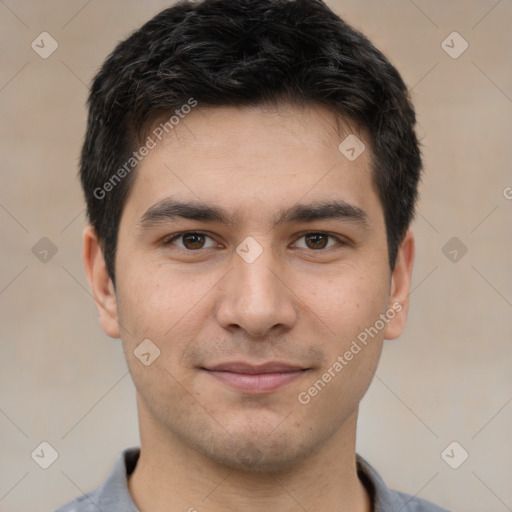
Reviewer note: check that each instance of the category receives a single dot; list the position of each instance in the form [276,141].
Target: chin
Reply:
[266,456]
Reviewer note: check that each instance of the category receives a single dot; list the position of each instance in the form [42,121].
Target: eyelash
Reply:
[171,238]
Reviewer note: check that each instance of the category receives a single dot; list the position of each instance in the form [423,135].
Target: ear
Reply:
[400,287]
[100,283]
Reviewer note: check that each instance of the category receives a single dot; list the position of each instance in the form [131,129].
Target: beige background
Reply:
[448,378]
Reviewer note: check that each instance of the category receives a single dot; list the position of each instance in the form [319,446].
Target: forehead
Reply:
[256,157]
[259,131]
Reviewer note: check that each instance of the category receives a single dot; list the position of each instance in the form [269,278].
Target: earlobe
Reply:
[100,283]
[400,287]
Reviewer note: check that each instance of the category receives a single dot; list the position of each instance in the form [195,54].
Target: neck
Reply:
[171,476]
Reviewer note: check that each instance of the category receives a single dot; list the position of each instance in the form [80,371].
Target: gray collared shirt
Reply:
[113,495]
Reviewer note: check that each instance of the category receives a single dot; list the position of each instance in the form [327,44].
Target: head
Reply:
[239,121]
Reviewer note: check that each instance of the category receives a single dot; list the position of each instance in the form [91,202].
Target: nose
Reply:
[256,297]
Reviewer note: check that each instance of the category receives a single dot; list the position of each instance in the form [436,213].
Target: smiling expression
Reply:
[252,253]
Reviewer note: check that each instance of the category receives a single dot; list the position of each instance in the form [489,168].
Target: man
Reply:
[250,169]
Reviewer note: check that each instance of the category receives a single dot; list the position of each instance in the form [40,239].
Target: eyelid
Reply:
[169,239]
[341,241]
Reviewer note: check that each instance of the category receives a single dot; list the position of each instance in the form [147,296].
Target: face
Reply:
[252,254]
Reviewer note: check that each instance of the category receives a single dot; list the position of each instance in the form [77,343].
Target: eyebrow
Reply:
[171,209]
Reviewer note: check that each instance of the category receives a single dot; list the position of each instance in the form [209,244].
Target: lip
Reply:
[268,367]
[250,378]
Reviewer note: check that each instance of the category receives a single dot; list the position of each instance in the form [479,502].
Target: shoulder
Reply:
[113,495]
[408,503]
[386,499]
[85,503]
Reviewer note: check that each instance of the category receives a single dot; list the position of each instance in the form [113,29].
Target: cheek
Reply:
[347,303]
[173,310]
[335,393]
[347,311]
[158,301]
[163,310]
[351,338]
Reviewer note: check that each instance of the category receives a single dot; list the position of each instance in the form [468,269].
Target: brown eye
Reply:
[318,241]
[191,240]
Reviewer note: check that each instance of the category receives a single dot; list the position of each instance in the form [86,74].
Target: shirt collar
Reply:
[114,495]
